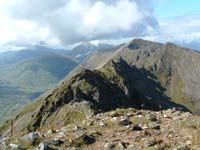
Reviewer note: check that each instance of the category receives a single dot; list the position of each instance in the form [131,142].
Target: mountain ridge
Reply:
[139,74]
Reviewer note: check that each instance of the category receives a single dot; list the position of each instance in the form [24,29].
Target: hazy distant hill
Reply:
[38,73]
[85,49]
[27,73]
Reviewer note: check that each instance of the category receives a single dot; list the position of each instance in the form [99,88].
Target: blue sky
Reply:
[171,8]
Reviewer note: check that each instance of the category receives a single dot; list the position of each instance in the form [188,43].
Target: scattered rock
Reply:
[176,113]
[136,128]
[55,142]
[114,114]
[101,123]
[60,135]
[64,130]
[114,119]
[187,115]
[30,137]
[16,147]
[145,127]
[49,131]
[122,145]
[109,146]
[124,122]
[150,142]
[154,125]
[84,139]
[182,146]
[165,116]
[129,114]
[150,130]
[43,146]
[76,128]
[90,123]
[188,143]
[95,134]
[198,122]
[2,144]
[153,118]
[131,147]
[139,116]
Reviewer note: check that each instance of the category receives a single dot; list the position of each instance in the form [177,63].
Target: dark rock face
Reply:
[115,85]
[118,84]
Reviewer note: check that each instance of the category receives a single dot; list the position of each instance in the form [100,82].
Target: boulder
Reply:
[152,117]
[55,142]
[101,124]
[16,147]
[2,144]
[30,137]
[125,122]
[136,128]
[150,142]
[153,125]
[83,139]
[109,146]
[189,143]
[122,145]
[43,146]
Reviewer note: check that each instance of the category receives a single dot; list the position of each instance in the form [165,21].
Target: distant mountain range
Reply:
[27,73]
[85,49]
[139,74]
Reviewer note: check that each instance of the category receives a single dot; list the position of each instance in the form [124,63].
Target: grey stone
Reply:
[154,125]
[109,146]
[42,146]
[150,142]
[29,137]
[16,147]
[131,147]
[136,128]
[152,117]
[56,142]
[122,145]
[125,122]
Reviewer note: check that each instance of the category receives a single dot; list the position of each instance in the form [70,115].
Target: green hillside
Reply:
[22,81]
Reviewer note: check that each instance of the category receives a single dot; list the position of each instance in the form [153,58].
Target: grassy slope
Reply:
[26,80]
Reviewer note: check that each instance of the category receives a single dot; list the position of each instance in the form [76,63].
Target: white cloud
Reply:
[178,29]
[71,21]
[63,22]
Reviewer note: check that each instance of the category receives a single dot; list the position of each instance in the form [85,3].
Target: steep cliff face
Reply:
[176,68]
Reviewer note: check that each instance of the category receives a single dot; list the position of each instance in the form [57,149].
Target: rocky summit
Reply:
[139,95]
[119,129]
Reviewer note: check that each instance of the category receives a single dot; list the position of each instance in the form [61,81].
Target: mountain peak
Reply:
[170,44]
[140,43]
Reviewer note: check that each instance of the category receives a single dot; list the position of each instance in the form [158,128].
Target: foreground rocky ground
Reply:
[120,129]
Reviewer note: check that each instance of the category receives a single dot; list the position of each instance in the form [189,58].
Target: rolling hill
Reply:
[26,74]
